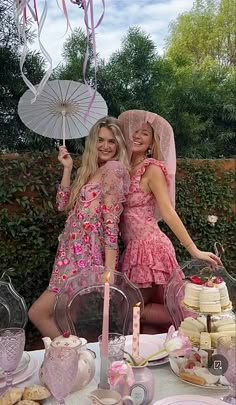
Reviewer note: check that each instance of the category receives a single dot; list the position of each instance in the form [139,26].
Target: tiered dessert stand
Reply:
[174,298]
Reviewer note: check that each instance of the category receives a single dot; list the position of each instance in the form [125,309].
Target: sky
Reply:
[153,16]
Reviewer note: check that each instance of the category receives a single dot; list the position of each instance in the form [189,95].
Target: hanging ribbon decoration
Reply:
[22,24]
[88,7]
[22,6]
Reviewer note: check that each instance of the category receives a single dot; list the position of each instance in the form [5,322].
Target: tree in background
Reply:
[128,78]
[73,54]
[193,85]
[205,35]
[201,49]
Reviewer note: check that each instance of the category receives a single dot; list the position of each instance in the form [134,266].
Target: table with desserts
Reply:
[185,374]
[166,383]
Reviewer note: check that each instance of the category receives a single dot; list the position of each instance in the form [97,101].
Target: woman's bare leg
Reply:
[155,317]
[41,314]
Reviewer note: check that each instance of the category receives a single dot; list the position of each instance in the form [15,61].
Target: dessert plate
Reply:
[148,344]
[216,386]
[189,400]
[160,362]
[23,364]
[24,375]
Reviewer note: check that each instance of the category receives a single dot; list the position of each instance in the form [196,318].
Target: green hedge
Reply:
[30,224]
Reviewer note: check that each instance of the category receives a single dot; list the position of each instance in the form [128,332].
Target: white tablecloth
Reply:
[166,383]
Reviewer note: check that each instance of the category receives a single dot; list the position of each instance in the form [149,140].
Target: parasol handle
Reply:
[63,128]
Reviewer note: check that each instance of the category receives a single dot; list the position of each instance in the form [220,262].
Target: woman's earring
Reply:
[149,152]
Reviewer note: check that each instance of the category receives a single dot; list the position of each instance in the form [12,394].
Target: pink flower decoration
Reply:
[55,289]
[82,263]
[86,238]
[177,344]
[74,271]
[60,263]
[80,216]
[77,248]
[219,280]
[86,226]
[112,240]
[120,372]
[66,261]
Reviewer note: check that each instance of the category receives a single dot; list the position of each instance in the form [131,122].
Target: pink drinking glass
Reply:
[12,343]
[226,346]
[60,370]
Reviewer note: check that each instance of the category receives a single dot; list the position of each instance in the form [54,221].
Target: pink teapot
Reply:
[86,369]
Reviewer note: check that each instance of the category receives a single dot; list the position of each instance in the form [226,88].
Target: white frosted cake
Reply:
[192,295]
[210,300]
[208,297]
[224,295]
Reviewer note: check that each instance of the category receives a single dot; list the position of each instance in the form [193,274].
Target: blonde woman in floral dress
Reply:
[94,203]
[149,258]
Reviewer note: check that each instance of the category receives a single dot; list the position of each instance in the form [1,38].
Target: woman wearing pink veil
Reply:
[149,258]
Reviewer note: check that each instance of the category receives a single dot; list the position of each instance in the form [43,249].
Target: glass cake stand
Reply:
[175,291]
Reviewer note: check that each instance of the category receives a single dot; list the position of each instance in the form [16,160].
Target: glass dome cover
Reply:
[175,288]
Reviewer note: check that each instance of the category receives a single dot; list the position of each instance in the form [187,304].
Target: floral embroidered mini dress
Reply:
[149,257]
[91,225]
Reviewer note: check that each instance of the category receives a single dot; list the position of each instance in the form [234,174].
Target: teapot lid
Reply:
[67,340]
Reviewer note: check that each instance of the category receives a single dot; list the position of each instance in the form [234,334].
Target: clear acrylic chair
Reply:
[172,297]
[79,306]
[13,310]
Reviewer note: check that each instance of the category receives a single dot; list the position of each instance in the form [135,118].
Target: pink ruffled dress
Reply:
[149,256]
[91,225]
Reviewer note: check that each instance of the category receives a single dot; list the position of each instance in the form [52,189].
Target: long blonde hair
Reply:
[89,164]
[155,148]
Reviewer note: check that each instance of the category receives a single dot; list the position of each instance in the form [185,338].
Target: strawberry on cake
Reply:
[209,296]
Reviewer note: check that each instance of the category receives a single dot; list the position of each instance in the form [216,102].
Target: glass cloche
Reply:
[197,271]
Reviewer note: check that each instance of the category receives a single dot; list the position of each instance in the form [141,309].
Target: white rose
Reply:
[212,219]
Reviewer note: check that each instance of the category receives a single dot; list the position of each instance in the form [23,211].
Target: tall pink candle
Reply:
[136,330]
[105,330]
[105,321]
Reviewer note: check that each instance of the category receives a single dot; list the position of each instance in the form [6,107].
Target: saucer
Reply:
[148,344]
[23,375]
[23,364]
[189,400]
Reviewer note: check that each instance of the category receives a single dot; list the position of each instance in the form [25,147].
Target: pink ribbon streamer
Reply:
[36,12]
[21,16]
[90,28]
[64,8]
[21,7]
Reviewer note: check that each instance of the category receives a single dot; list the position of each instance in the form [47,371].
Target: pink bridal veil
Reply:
[132,120]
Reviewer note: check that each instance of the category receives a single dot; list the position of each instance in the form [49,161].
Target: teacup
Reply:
[108,397]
